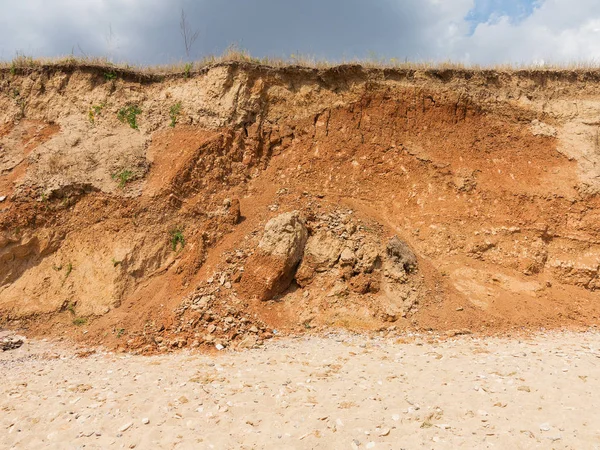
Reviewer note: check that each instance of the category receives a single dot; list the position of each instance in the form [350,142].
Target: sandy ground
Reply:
[338,392]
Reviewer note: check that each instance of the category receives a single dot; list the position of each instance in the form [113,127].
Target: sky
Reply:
[147,31]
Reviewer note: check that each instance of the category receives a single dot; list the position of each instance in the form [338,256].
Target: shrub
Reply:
[129,114]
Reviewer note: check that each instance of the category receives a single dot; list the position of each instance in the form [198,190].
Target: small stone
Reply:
[2,198]
[347,258]
[371,445]
[145,421]
[384,432]
[524,388]
[126,427]
[545,427]
[219,347]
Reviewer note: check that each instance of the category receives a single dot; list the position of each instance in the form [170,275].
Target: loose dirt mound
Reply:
[133,210]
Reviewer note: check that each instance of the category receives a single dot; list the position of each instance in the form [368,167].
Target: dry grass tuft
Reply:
[25,64]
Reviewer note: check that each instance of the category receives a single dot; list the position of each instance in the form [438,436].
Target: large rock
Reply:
[401,254]
[272,268]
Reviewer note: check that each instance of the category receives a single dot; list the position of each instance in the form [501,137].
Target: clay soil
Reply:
[126,236]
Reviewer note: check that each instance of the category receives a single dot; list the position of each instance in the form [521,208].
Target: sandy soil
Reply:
[340,391]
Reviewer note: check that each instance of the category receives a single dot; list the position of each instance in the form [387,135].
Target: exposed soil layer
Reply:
[135,209]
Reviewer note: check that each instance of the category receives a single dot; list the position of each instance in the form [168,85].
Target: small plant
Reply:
[69,270]
[110,76]
[129,114]
[174,113]
[94,112]
[79,321]
[116,262]
[71,307]
[120,332]
[177,239]
[124,177]
[187,69]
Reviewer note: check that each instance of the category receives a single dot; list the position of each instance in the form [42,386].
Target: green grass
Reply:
[129,114]
[174,113]
[123,177]
[110,76]
[177,239]
[187,69]
[71,308]
[79,321]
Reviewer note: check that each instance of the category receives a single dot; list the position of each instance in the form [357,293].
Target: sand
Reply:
[335,392]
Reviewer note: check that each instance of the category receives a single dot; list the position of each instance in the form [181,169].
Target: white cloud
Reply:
[560,31]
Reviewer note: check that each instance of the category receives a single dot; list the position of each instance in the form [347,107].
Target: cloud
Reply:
[147,31]
[556,31]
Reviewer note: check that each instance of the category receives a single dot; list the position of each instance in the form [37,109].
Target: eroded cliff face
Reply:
[135,205]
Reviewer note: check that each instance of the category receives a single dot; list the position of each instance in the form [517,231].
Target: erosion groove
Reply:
[428,199]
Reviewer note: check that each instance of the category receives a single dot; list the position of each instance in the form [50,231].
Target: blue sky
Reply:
[491,10]
[147,31]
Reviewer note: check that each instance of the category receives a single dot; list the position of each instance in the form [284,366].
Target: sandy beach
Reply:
[336,392]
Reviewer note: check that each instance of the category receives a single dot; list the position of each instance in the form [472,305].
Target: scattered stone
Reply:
[125,427]
[347,258]
[11,342]
[2,198]
[145,421]
[219,347]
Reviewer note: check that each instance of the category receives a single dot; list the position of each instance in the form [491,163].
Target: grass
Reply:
[187,69]
[110,70]
[177,239]
[79,321]
[129,114]
[123,177]
[71,308]
[174,113]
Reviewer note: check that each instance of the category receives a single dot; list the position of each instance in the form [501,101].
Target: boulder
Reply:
[401,254]
[271,269]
